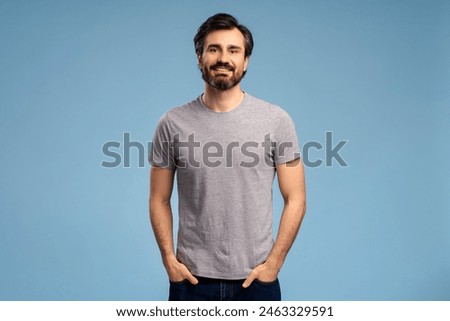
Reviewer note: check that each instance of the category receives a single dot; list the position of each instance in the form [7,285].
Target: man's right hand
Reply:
[178,272]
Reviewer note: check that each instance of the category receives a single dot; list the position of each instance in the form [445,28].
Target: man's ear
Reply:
[199,61]
[245,63]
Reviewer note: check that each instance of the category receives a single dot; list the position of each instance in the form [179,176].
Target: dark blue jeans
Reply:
[224,290]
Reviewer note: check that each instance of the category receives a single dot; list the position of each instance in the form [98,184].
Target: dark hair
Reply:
[222,21]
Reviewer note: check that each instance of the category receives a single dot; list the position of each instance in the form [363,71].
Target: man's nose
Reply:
[223,57]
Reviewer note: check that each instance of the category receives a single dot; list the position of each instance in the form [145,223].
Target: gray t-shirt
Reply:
[225,165]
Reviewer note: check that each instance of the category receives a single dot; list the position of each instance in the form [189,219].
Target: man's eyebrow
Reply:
[215,45]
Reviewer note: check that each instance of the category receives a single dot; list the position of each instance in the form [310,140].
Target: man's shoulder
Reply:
[267,107]
[181,111]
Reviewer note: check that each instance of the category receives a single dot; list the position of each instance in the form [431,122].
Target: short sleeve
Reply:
[161,152]
[286,141]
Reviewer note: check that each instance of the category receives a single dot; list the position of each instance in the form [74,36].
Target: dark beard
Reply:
[221,82]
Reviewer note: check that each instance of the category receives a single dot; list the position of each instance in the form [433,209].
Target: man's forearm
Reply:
[162,223]
[291,219]
[161,219]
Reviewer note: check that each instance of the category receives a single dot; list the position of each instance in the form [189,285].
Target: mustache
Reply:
[222,65]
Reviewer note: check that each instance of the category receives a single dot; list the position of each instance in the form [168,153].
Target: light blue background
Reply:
[76,74]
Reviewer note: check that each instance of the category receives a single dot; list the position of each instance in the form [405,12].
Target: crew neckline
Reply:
[234,110]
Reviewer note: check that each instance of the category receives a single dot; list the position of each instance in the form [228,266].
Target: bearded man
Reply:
[225,149]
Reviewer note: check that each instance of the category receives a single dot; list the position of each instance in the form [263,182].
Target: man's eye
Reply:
[212,50]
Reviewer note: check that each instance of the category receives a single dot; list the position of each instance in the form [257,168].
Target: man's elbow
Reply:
[156,202]
[302,207]
[298,204]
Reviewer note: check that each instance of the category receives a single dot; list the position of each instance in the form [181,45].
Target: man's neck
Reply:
[222,101]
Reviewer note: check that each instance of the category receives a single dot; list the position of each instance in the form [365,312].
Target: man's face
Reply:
[223,61]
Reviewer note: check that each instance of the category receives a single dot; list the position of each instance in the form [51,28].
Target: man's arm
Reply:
[161,185]
[291,180]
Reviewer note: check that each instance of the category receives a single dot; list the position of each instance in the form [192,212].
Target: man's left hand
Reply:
[263,272]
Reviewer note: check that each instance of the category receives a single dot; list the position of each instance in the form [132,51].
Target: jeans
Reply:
[224,290]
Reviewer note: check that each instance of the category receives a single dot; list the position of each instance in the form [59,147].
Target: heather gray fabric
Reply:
[224,181]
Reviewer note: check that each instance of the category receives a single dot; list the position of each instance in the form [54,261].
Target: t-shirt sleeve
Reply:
[161,152]
[286,141]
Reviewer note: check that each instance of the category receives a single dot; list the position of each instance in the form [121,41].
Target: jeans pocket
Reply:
[264,291]
[178,291]
[178,282]
[266,283]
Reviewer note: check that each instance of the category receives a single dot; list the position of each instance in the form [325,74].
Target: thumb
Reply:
[192,279]
[249,281]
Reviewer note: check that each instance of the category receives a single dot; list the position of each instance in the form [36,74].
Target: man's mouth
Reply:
[222,68]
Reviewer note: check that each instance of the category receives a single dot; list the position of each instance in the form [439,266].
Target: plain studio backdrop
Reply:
[75,75]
